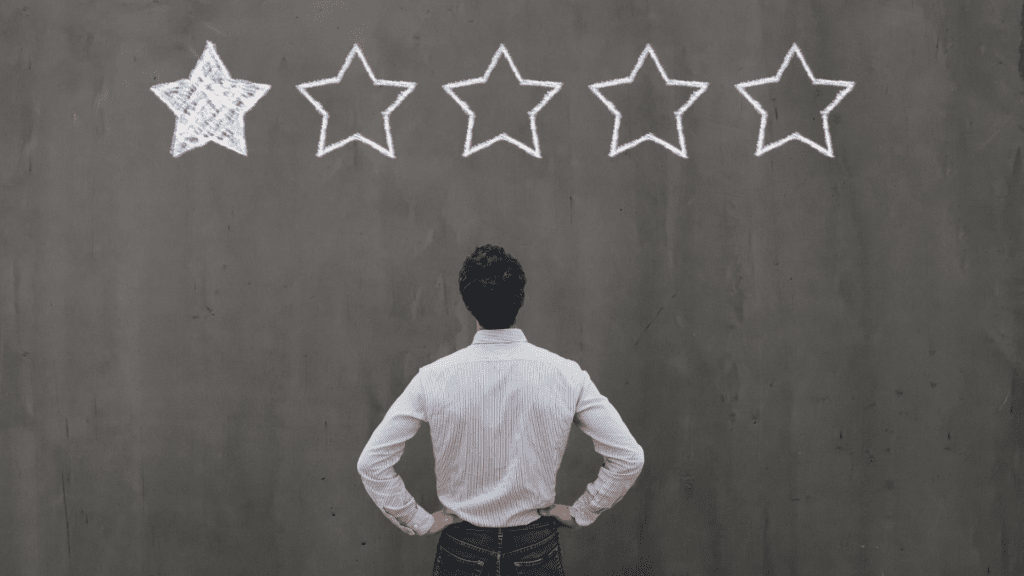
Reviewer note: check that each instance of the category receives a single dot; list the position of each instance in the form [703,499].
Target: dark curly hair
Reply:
[491,283]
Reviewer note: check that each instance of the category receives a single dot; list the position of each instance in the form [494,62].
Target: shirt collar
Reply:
[501,336]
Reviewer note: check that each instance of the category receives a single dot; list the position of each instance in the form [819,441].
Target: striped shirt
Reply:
[499,411]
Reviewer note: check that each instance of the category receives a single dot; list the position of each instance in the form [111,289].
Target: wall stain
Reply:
[651,322]
[67,524]
[1020,50]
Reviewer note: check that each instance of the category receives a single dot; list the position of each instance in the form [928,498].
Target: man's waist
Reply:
[495,516]
[540,523]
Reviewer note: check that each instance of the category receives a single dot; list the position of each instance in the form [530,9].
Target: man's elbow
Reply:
[636,462]
[365,467]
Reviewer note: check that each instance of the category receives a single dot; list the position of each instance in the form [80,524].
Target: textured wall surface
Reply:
[823,358]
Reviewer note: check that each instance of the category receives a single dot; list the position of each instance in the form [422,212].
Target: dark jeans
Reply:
[531,550]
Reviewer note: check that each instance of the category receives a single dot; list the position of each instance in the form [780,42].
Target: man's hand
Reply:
[562,513]
[442,520]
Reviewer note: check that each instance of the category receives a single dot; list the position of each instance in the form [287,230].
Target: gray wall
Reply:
[821,357]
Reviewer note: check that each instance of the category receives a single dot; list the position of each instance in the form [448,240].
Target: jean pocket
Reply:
[546,560]
[450,563]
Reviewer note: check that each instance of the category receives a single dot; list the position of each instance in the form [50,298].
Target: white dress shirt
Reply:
[499,412]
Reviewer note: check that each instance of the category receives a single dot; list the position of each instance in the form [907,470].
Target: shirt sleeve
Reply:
[376,464]
[623,456]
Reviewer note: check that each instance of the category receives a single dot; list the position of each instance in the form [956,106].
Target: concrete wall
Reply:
[822,357]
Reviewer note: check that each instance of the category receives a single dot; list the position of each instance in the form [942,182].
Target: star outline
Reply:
[468,148]
[386,113]
[680,151]
[846,85]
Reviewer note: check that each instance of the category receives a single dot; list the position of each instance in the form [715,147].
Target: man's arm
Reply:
[623,457]
[383,450]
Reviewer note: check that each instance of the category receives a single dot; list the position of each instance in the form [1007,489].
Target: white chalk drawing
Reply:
[846,86]
[390,150]
[649,137]
[209,105]
[469,148]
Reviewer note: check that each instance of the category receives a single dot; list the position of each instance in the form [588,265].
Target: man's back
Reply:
[500,411]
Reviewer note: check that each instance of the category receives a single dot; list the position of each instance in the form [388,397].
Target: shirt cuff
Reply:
[583,514]
[422,521]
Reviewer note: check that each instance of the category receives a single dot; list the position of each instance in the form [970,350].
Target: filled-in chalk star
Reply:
[846,86]
[389,151]
[616,148]
[209,105]
[469,148]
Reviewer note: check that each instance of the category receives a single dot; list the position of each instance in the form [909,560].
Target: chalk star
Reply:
[469,148]
[209,105]
[390,150]
[846,86]
[649,137]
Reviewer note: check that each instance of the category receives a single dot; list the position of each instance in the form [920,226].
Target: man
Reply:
[499,412]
